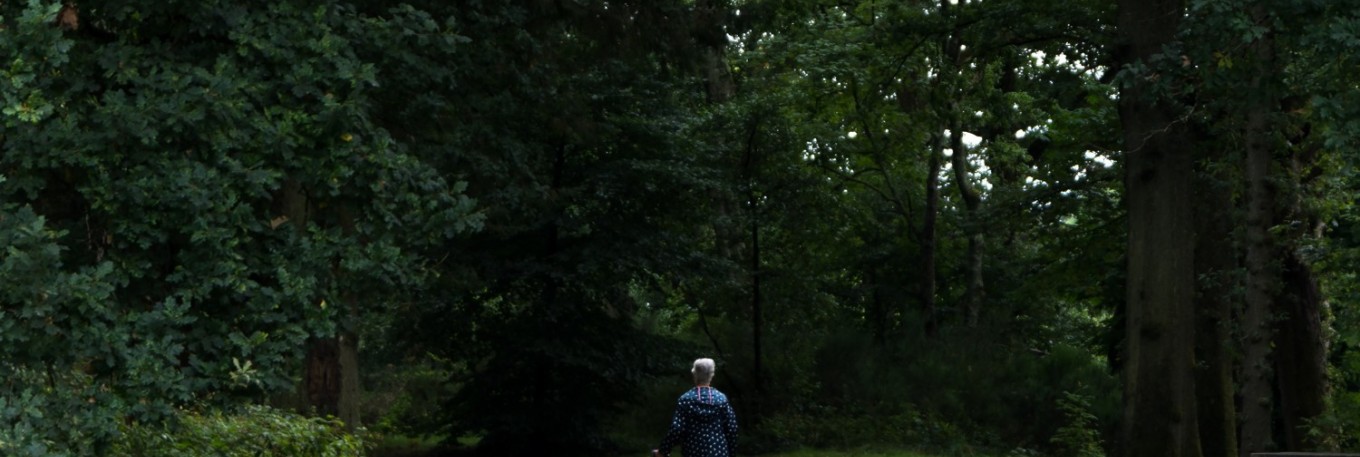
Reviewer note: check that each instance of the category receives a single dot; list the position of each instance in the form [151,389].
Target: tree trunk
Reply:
[972,199]
[750,168]
[1301,368]
[1215,261]
[720,88]
[330,383]
[731,234]
[709,16]
[331,380]
[1160,417]
[757,319]
[349,380]
[321,381]
[1262,270]
[928,238]
[878,309]
[1301,371]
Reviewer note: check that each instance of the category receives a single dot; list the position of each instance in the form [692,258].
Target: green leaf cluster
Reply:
[188,184]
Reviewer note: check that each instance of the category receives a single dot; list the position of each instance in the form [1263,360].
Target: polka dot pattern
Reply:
[704,425]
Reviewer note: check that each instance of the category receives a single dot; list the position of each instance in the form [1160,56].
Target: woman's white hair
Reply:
[703,371]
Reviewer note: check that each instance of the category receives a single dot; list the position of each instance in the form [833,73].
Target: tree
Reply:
[222,186]
[1159,389]
[1216,265]
[572,125]
[1251,48]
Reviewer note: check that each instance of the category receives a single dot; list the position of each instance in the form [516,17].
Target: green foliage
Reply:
[54,325]
[254,431]
[1079,437]
[571,132]
[407,398]
[189,185]
[54,413]
[1335,430]
[192,190]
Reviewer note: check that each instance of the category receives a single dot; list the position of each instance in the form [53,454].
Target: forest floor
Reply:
[802,453]
[415,448]
[402,446]
[826,453]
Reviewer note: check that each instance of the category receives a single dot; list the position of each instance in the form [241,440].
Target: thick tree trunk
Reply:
[332,378]
[1301,370]
[1215,261]
[1262,270]
[1160,417]
[321,381]
[1301,367]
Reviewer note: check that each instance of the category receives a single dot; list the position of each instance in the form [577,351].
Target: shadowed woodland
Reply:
[958,227]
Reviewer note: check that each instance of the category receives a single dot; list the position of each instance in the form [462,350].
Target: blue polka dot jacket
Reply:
[704,425]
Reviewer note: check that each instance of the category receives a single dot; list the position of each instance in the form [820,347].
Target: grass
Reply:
[851,453]
[396,445]
[402,446]
[827,453]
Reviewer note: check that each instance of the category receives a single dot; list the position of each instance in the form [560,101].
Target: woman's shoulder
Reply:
[706,394]
[720,396]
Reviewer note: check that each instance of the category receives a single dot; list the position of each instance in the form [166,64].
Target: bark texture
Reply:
[1302,375]
[1215,262]
[1160,410]
[1262,268]
[322,378]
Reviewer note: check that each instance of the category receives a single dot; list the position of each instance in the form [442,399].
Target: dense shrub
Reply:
[256,431]
[1079,437]
[53,414]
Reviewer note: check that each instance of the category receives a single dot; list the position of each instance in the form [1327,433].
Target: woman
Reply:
[704,424]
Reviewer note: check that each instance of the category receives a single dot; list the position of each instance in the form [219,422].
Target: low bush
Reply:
[254,431]
[1079,437]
